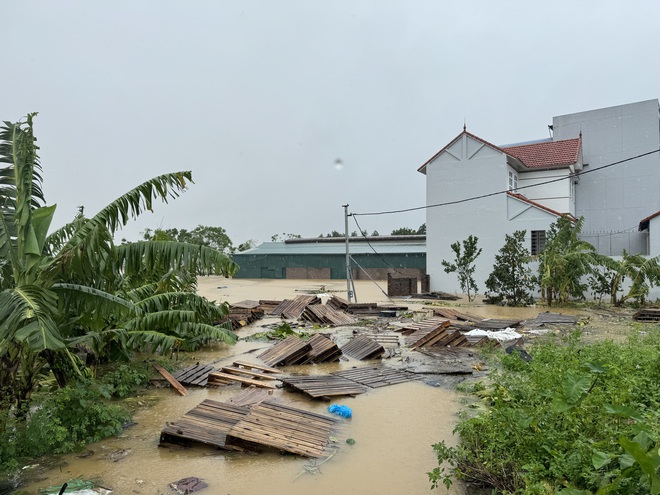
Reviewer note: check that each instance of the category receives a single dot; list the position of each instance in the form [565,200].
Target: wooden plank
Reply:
[319,386]
[255,366]
[259,374]
[240,379]
[250,396]
[362,347]
[172,381]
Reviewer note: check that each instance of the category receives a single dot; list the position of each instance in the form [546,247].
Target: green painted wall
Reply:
[273,265]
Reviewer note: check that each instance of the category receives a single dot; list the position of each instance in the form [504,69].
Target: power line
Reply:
[474,198]
[374,249]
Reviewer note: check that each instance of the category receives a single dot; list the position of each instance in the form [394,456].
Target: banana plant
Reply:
[74,286]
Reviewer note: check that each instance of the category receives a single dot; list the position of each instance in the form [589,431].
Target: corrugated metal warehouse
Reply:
[325,258]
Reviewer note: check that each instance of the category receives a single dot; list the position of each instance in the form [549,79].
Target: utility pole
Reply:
[349,292]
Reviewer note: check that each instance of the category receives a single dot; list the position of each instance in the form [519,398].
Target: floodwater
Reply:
[393,428]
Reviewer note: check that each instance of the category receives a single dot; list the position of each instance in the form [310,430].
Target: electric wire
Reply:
[370,278]
[488,195]
[374,249]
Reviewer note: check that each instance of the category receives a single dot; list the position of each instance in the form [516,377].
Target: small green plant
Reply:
[123,381]
[463,265]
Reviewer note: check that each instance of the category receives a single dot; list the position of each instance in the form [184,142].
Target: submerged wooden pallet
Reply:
[427,325]
[362,348]
[377,376]
[285,428]
[197,374]
[250,396]
[208,423]
[326,315]
[323,350]
[324,385]
[221,424]
[293,308]
[290,351]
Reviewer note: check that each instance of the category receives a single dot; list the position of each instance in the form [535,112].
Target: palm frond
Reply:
[202,260]
[204,308]
[26,315]
[147,340]
[161,320]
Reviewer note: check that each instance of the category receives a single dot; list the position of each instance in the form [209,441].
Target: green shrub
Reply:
[123,381]
[576,419]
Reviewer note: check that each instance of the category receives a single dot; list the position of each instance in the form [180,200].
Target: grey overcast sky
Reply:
[285,110]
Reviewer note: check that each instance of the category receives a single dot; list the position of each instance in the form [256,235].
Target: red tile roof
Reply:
[644,224]
[539,205]
[548,154]
[537,155]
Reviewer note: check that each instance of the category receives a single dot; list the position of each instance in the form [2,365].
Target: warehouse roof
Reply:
[358,245]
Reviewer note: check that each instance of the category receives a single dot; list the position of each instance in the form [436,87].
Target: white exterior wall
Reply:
[615,199]
[556,195]
[654,236]
[469,168]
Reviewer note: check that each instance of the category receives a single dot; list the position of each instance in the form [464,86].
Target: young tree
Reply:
[464,266]
[564,260]
[511,279]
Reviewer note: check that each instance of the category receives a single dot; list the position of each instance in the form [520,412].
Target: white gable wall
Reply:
[469,168]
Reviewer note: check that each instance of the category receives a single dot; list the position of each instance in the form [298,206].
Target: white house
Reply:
[526,186]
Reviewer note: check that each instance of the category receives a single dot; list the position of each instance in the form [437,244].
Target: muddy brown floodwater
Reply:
[393,428]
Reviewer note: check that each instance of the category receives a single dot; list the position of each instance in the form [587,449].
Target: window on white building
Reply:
[513,181]
[538,242]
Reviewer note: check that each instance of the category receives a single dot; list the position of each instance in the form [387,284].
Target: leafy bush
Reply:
[123,381]
[577,419]
[67,420]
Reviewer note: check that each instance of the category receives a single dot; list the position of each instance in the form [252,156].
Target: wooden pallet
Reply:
[320,386]
[208,423]
[285,428]
[293,308]
[362,348]
[225,378]
[197,374]
[385,338]
[425,326]
[435,333]
[288,352]
[323,350]
[377,376]
[326,315]
[453,314]
[250,396]
[647,315]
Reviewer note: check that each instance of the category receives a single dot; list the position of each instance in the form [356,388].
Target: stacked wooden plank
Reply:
[197,374]
[286,428]
[377,376]
[326,315]
[364,309]
[208,423]
[268,305]
[323,350]
[288,352]
[647,314]
[320,386]
[452,338]
[293,308]
[494,324]
[424,326]
[384,338]
[362,348]
[453,314]
[428,337]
